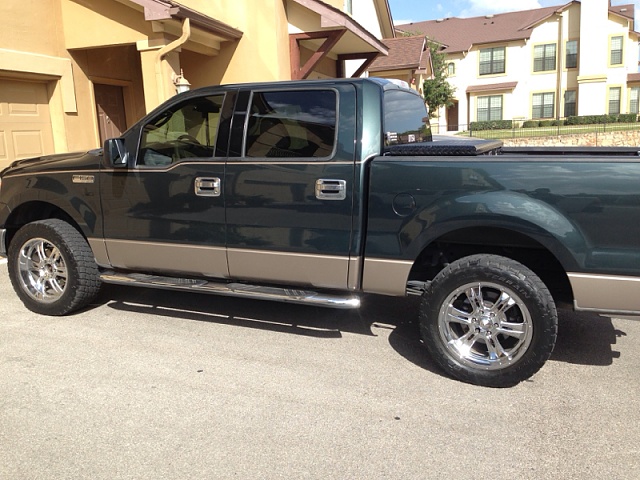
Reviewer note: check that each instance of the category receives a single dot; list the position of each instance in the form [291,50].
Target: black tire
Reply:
[489,321]
[52,268]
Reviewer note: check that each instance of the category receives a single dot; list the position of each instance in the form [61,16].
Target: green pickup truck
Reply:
[318,191]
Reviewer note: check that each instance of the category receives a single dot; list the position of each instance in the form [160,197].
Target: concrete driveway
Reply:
[153,385]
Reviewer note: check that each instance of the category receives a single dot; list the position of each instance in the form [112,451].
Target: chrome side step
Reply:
[232,289]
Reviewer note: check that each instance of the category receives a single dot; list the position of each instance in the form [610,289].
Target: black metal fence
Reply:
[520,129]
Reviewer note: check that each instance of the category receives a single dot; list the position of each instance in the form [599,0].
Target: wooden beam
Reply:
[368,58]
[301,72]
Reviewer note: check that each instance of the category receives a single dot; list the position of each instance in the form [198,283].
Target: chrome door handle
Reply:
[207,187]
[330,189]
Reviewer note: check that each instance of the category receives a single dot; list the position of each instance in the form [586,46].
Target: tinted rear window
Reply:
[405,118]
[299,123]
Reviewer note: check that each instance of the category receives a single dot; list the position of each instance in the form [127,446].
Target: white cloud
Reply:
[484,7]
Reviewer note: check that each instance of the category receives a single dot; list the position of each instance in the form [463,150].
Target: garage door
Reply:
[25,124]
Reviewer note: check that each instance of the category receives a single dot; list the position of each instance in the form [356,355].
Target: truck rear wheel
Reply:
[488,320]
[52,268]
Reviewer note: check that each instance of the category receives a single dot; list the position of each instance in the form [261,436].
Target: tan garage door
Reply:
[25,124]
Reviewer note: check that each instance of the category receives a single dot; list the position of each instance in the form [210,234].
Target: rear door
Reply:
[290,186]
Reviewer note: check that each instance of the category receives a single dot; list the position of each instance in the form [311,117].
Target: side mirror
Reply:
[116,152]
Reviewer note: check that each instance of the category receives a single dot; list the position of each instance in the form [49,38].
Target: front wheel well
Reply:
[32,212]
[494,241]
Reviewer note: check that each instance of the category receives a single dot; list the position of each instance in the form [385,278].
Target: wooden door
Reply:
[110,107]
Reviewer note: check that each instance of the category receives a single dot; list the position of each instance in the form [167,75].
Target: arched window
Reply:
[451,69]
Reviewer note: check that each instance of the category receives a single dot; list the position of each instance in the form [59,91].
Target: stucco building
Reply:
[75,72]
[577,58]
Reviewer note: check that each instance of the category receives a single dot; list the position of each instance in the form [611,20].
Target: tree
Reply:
[437,91]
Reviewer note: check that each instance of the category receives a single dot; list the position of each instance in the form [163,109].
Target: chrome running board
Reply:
[232,289]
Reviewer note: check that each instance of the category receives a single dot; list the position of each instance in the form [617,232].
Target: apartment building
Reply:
[577,58]
[75,72]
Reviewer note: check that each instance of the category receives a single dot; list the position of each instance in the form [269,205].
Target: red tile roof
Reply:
[460,34]
[404,53]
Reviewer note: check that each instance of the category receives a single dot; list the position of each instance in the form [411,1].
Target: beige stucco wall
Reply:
[72,44]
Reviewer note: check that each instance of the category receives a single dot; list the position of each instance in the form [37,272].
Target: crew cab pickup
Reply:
[319,191]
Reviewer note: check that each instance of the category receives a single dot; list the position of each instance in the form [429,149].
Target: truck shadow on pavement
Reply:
[583,338]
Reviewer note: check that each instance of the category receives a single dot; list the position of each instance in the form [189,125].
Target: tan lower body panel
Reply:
[387,277]
[323,271]
[606,293]
[167,257]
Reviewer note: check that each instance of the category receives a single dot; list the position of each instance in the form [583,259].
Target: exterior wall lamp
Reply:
[181,83]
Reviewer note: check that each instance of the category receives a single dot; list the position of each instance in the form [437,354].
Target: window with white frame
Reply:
[489,108]
[614,100]
[569,103]
[634,97]
[571,60]
[544,57]
[616,51]
[451,69]
[492,61]
[543,105]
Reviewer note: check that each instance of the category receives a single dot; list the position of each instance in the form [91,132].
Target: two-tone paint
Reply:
[265,223]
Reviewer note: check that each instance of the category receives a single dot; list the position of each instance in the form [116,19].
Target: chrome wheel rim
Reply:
[43,270]
[485,326]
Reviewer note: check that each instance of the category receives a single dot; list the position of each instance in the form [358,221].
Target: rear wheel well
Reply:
[32,212]
[494,241]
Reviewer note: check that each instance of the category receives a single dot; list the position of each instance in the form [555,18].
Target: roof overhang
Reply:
[633,77]
[328,32]
[313,15]
[492,87]
[166,16]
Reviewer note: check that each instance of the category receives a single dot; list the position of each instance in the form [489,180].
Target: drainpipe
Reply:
[186,33]
[559,64]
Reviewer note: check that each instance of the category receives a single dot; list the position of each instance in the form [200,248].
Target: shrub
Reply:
[557,123]
[531,124]
[546,123]
[628,118]
[592,119]
[491,125]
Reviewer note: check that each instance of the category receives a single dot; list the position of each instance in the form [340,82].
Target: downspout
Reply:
[560,64]
[186,33]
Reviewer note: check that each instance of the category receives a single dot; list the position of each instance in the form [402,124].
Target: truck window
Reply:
[405,118]
[186,130]
[299,123]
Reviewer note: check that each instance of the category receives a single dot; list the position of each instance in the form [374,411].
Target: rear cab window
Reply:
[292,124]
[406,119]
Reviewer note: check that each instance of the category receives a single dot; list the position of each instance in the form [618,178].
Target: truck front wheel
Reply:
[52,268]
[488,320]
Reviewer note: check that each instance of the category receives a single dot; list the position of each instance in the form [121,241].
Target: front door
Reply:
[110,108]
[290,190]
[452,117]
[166,213]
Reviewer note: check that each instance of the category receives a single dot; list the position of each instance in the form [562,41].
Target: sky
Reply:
[406,11]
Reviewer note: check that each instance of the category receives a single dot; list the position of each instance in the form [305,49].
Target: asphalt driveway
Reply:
[151,385]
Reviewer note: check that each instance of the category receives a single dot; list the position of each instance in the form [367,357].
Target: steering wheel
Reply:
[185,137]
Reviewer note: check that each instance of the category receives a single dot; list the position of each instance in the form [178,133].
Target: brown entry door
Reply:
[452,117]
[110,107]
